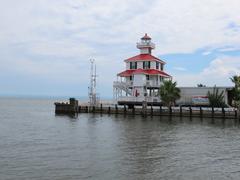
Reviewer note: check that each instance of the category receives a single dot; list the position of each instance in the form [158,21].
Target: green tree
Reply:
[215,98]
[236,90]
[236,81]
[169,93]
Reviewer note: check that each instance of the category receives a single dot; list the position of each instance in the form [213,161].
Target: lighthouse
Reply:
[142,78]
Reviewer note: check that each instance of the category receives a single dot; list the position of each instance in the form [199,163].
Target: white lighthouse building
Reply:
[142,78]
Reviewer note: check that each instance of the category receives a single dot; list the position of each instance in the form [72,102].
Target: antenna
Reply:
[93,81]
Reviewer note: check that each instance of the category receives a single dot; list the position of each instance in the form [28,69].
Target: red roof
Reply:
[143,71]
[146,36]
[144,57]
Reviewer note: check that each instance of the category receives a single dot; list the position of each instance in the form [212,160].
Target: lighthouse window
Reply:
[133,65]
[146,64]
[157,65]
[161,67]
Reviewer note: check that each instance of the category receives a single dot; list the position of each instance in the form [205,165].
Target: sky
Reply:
[46,45]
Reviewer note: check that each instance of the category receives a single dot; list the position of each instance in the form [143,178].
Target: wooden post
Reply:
[190,111]
[144,108]
[133,110]
[79,109]
[212,112]
[235,113]
[180,111]
[170,110]
[86,109]
[223,112]
[238,113]
[93,108]
[101,109]
[109,110]
[201,112]
[160,109]
[151,110]
[125,109]
[116,108]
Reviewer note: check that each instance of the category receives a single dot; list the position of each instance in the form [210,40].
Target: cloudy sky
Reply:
[45,45]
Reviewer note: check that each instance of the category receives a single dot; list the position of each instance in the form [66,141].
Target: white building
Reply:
[142,78]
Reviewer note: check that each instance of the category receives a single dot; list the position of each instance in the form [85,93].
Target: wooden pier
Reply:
[144,110]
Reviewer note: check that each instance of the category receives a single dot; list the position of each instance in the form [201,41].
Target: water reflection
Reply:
[95,146]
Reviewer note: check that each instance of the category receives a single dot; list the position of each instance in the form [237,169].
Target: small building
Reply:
[142,78]
[198,95]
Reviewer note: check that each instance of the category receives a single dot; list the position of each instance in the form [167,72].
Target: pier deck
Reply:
[203,112]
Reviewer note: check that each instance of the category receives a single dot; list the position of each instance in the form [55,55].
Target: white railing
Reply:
[139,99]
[122,83]
[147,44]
[153,83]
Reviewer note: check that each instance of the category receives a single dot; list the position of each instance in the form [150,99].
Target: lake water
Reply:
[36,144]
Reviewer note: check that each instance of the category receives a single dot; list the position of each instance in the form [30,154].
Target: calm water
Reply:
[36,144]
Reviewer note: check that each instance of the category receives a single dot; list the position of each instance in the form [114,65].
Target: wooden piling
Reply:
[133,110]
[180,111]
[223,112]
[201,112]
[116,108]
[125,109]
[160,109]
[190,111]
[151,110]
[212,112]
[144,109]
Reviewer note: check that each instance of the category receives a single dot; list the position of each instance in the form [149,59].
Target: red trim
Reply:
[144,57]
[146,37]
[130,72]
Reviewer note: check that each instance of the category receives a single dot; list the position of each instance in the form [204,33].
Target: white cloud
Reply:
[206,53]
[57,38]
[217,73]
[176,26]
